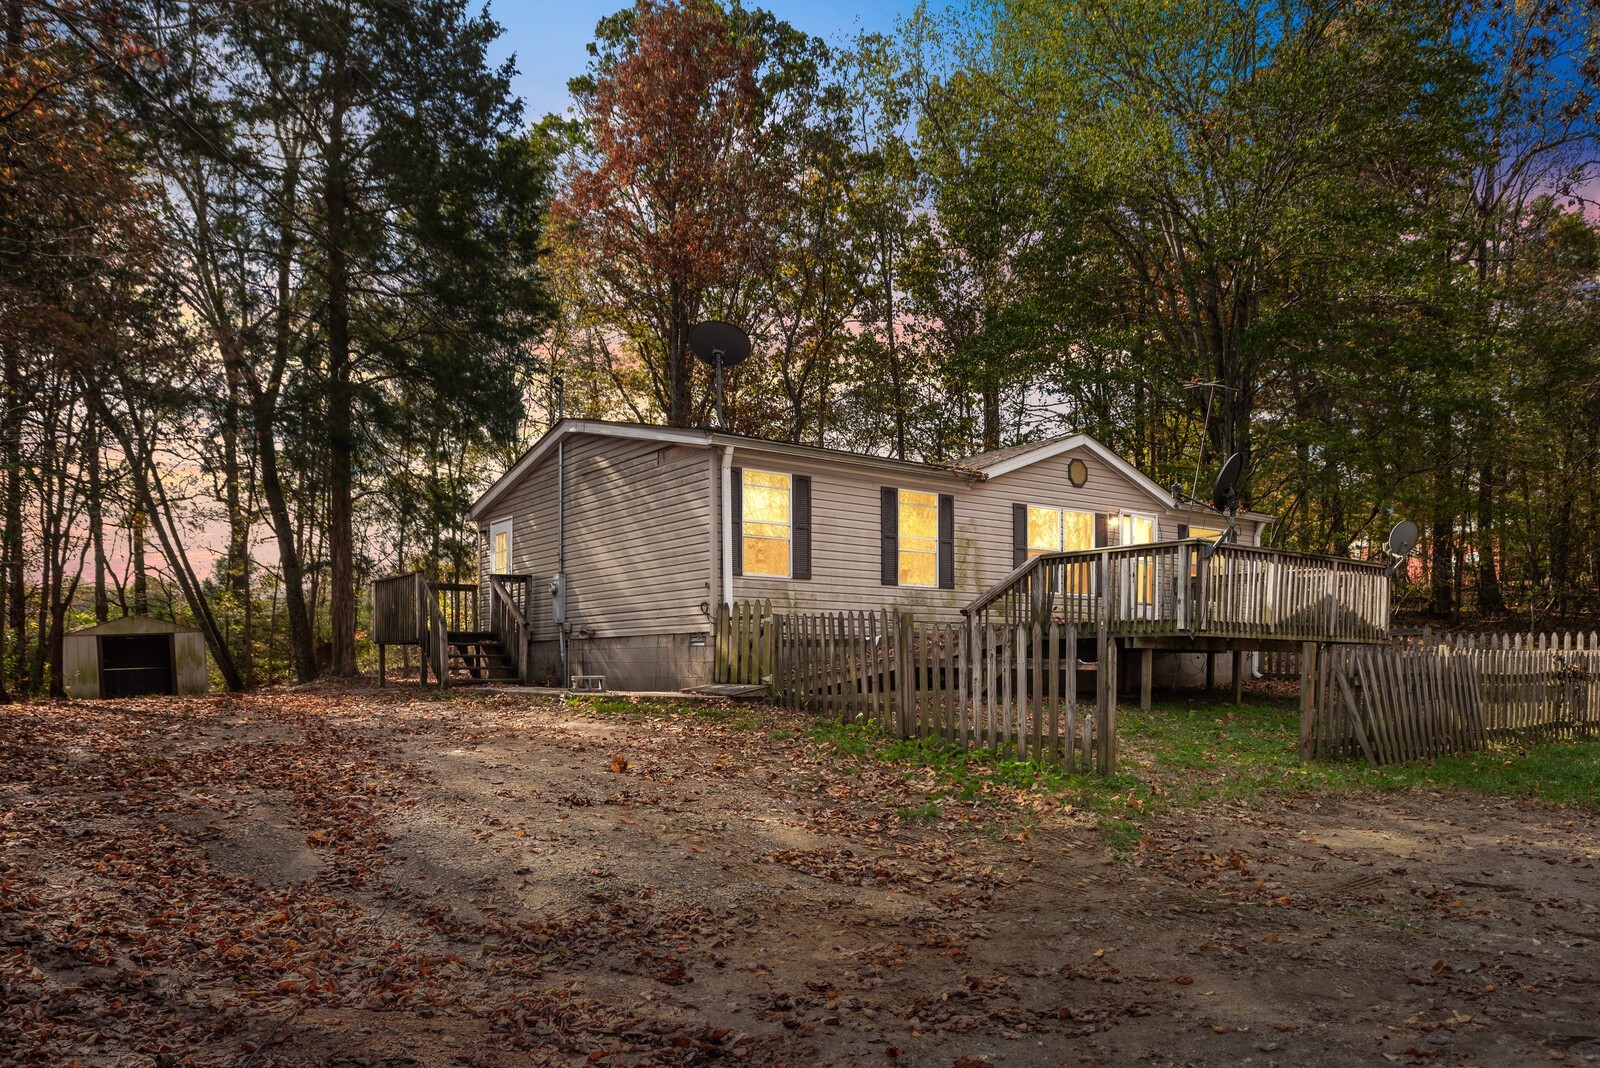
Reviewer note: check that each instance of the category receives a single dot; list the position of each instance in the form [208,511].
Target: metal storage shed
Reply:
[135,655]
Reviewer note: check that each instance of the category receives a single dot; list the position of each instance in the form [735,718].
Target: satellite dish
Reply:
[719,344]
[715,342]
[1224,495]
[1403,538]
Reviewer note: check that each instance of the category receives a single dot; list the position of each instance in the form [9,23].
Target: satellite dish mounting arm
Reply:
[1227,533]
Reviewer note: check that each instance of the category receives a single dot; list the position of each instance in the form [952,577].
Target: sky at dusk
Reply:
[549,36]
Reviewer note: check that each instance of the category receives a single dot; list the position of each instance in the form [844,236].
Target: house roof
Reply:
[975,468]
[998,462]
[707,438]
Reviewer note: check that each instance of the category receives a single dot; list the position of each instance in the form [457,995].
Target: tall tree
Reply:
[679,176]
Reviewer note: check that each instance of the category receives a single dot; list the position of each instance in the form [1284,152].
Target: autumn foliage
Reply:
[668,200]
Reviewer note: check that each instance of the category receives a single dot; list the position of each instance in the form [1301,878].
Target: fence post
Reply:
[1308,689]
[904,684]
[1106,704]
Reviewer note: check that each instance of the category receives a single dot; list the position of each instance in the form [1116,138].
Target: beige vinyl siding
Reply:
[845,554]
[643,552]
[638,545]
[845,543]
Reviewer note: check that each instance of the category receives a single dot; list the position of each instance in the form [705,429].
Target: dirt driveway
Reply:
[388,878]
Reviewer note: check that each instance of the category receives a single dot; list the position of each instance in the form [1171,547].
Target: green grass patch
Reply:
[1190,754]
[923,813]
[1179,756]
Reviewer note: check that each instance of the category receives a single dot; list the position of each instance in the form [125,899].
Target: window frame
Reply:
[1155,527]
[1061,527]
[744,524]
[507,525]
[901,537]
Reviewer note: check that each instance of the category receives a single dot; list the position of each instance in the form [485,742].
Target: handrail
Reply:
[435,639]
[1177,587]
[461,598]
[508,622]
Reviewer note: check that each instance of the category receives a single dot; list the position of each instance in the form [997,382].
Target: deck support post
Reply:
[1146,678]
[1211,673]
[1238,677]
[382,667]
[1308,689]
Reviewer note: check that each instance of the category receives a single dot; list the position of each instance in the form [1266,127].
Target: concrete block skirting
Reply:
[639,662]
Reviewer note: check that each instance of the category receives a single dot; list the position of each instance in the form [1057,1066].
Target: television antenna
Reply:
[1205,430]
[718,344]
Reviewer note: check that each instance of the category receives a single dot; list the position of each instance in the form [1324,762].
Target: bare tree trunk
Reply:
[16,591]
[341,402]
[1490,598]
[97,520]
[141,581]
[1441,554]
[238,558]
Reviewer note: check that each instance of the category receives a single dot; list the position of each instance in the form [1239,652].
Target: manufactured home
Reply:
[608,547]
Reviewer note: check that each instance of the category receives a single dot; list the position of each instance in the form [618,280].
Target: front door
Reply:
[1139,588]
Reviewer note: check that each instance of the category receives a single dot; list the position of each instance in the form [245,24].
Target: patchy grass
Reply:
[1188,754]
[1179,756]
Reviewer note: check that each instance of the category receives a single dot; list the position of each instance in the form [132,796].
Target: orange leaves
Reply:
[619,764]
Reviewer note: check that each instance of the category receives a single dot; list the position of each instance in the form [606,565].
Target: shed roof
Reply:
[134,625]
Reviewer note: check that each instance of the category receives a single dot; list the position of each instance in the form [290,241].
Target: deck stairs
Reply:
[477,656]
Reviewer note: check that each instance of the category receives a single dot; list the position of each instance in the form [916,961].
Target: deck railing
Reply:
[1188,588]
[410,610]
[509,605]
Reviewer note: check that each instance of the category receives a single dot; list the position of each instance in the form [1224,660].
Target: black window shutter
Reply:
[736,481]
[1100,535]
[802,526]
[1183,531]
[1019,535]
[947,541]
[889,523]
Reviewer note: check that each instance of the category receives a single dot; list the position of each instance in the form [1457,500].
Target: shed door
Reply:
[136,664]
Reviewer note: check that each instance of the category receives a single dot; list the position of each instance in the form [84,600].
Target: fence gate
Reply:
[746,650]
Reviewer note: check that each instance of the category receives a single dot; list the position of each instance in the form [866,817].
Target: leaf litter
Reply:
[341,876]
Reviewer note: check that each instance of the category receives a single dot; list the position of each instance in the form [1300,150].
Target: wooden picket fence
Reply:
[1430,694]
[1009,688]
[1278,664]
[746,649]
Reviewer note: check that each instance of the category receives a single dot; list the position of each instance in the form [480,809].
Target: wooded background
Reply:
[285,283]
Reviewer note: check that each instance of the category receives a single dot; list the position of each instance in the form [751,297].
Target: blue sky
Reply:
[548,36]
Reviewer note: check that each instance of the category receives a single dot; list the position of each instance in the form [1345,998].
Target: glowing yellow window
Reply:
[768,518]
[1056,530]
[1141,530]
[500,546]
[1209,534]
[919,538]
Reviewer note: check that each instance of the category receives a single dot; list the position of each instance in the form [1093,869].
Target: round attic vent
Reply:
[1078,473]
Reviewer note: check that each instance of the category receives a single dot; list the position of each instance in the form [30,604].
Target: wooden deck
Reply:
[442,619]
[1177,595]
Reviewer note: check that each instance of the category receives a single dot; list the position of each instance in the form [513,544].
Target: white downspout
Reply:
[727,524]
